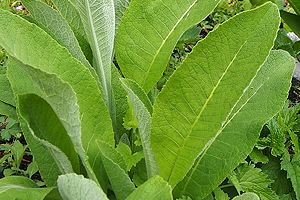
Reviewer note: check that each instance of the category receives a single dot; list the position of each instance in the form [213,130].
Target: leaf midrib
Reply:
[203,108]
[98,57]
[164,41]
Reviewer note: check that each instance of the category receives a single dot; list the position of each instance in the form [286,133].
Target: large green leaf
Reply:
[76,187]
[292,21]
[68,10]
[55,115]
[149,32]
[35,51]
[237,136]
[18,187]
[142,108]
[55,25]
[116,170]
[98,19]
[154,189]
[198,98]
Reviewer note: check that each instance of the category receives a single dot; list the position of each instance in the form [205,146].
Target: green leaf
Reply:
[76,187]
[220,194]
[143,53]
[120,7]
[190,112]
[34,51]
[8,110]
[142,109]
[292,21]
[296,5]
[247,196]
[55,116]
[6,93]
[120,102]
[68,10]
[18,151]
[229,146]
[292,166]
[18,187]
[130,159]
[277,137]
[154,189]
[281,185]
[257,156]
[251,179]
[55,25]
[116,170]
[98,18]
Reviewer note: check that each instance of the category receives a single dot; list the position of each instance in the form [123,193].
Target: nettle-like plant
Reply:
[79,116]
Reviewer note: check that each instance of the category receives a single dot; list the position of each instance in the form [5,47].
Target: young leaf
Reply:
[154,189]
[143,53]
[142,108]
[263,98]
[251,179]
[55,25]
[67,8]
[220,194]
[292,166]
[98,17]
[18,187]
[76,187]
[192,108]
[94,117]
[247,196]
[116,170]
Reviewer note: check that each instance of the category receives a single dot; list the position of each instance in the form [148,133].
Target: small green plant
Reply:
[101,132]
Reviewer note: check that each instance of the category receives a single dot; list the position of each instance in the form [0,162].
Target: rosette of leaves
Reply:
[71,102]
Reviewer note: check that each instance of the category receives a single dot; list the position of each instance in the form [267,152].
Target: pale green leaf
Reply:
[35,51]
[264,97]
[67,8]
[55,25]
[120,7]
[18,187]
[153,189]
[247,196]
[192,108]
[142,109]
[296,5]
[148,33]
[257,156]
[76,187]
[98,18]
[292,166]
[116,170]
